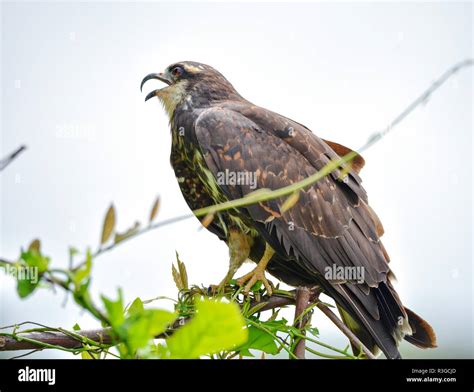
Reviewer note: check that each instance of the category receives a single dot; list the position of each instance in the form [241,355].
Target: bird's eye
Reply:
[177,71]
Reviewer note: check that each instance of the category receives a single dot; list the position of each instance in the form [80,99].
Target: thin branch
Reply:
[266,195]
[273,302]
[26,354]
[9,159]
[312,296]
[54,281]
[47,337]
[345,330]
[138,233]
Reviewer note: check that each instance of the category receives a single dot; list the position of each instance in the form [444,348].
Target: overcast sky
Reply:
[70,91]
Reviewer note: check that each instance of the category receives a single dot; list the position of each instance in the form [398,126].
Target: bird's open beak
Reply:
[158,76]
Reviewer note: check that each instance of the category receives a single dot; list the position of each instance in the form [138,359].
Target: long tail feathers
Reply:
[396,323]
[377,329]
[423,334]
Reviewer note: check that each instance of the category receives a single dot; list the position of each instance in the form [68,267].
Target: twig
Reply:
[54,281]
[311,296]
[422,99]
[8,159]
[138,233]
[26,354]
[345,330]
[275,301]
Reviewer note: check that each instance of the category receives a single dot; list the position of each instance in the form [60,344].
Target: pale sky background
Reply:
[70,77]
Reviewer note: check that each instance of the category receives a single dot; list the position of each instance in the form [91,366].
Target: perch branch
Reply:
[71,340]
[27,341]
[302,299]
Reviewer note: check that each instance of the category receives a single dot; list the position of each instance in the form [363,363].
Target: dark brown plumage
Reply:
[215,130]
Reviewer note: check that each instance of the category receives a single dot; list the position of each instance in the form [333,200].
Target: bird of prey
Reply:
[331,227]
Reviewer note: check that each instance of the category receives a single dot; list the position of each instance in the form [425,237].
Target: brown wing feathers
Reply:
[331,224]
[357,163]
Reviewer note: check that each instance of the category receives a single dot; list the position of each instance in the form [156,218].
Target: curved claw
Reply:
[253,277]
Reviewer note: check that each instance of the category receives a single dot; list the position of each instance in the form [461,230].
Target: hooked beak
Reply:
[158,76]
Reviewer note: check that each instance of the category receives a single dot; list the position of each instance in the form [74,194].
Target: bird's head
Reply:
[191,85]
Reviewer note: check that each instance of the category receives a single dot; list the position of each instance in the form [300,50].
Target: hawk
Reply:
[331,226]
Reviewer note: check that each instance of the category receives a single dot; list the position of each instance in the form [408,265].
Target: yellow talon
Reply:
[258,273]
[217,288]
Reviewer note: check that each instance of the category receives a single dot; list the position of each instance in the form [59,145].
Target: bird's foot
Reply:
[254,276]
[217,288]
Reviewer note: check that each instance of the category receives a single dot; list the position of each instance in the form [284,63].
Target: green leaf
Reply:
[76,327]
[257,286]
[138,327]
[29,269]
[89,355]
[143,326]
[33,258]
[84,272]
[313,331]
[216,326]
[136,307]
[25,287]
[115,310]
[245,353]
[258,340]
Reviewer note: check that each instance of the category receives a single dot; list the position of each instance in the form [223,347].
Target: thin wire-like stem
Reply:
[266,195]
[9,159]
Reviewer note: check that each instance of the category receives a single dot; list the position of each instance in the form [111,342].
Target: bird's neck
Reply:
[171,98]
